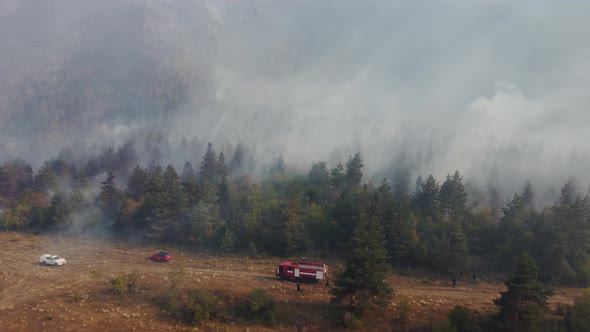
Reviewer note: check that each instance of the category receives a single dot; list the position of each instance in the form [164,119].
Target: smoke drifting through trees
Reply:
[491,89]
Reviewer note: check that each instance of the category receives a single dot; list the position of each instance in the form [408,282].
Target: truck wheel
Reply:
[43,263]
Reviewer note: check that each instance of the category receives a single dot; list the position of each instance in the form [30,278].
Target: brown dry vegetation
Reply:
[76,296]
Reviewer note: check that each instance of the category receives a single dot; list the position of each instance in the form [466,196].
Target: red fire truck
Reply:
[304,271]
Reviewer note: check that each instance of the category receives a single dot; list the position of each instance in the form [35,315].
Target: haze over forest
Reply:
[495,89]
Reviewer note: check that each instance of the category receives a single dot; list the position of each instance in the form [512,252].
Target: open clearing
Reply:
[76,296]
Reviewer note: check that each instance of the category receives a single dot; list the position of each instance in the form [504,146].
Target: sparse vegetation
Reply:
[578,316]
[464,320]
[258,306]
[192,308]
[125,283]
[403,311]
[176,277]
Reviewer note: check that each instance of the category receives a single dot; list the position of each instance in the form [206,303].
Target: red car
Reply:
[160,256]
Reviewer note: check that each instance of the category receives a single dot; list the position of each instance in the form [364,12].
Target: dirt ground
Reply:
[76,297]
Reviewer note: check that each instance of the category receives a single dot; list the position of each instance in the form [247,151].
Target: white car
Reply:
[51,260]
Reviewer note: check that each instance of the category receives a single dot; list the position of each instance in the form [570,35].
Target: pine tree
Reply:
[109,196]
[337,180]
[362,283]
[427,200]
[228,241]
[528,195]
[155,160]
[278,167]
[137,183]
[77,201]
[188,173]
[209,166]
[452,197]
[242,162]
[45,179]
[403,236]
[524,304]
[170,209]
[319,183]
[155,183]
[221,167]
[354,172]
[223,199]
[59,210]
[570,250]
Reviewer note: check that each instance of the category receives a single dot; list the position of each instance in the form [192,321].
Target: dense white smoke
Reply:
[496,89]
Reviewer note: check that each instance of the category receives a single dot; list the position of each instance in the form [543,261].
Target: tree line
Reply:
[220,204]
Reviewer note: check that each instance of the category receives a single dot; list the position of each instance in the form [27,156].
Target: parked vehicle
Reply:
[48,259]
[304,271]
[160,256]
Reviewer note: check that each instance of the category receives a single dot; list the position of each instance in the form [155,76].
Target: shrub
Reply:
[132,281]
[444,326]
[351,321]
[118,285]
[76,297]
[125,283]
[403,310]
[259,305]
[228,241]
[192,309]
[464,319]
[561,309]
[260,302]
[176,277]
[577,318]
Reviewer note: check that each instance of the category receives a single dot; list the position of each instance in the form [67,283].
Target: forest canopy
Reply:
[228,202]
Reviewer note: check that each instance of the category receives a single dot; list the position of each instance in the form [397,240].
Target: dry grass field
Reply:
[77,296]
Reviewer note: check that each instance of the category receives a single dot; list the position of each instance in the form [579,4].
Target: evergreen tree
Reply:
[242,162]
[45,179]
[570,250]
[403,236]
[524,304]
[427,200]
[109,197]
[228,241]
[155,182]
[221,167]
[345,215]
[362,283]
[77,201]
[528,195]
[338,180]
[170,209]
[188,173]
[400,181]
[223,199]
[155,160]
[278,167]
[418,186]
[126,156]
[209,166]
[137,183]
[319,183]
[494,203]
[354,172]
[200,225]
[294,234]
[58,211]
[452,197]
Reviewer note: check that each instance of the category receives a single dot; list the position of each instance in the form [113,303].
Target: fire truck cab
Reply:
[305,271]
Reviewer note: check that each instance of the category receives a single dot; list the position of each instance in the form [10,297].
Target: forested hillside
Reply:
[220,203]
